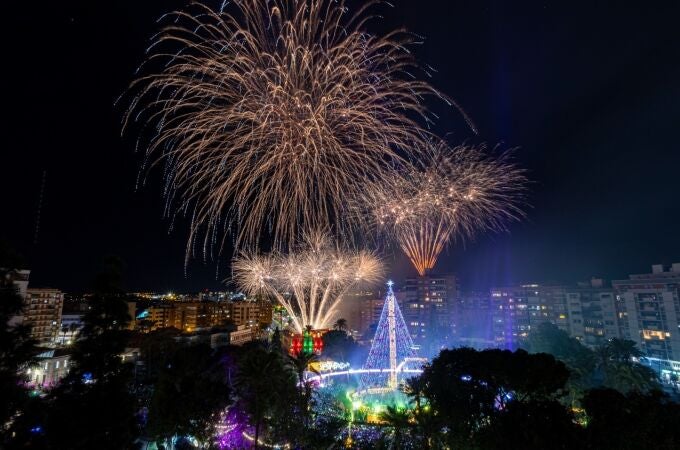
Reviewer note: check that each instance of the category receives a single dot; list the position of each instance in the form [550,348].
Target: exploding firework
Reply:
[462,191]
[308,282]
[268,117]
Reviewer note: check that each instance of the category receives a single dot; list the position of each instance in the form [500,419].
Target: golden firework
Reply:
[308,282]
[270,116]
[460,192]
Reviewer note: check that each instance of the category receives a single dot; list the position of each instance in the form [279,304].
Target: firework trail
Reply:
[270,116]
[460,192]
[308,282]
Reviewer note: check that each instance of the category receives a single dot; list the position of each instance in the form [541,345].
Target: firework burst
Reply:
[268,117]
[308,282]
[460,192]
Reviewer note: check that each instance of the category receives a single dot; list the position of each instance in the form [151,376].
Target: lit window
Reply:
[653,334]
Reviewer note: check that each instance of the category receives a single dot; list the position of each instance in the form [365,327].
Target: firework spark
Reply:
[462,191]
[268,117]
[309,282]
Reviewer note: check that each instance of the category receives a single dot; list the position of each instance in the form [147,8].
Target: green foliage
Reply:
[264,385]
[17,350]
[534,424]
[300,364]
[156,348]
[93,407]
[328,421]
[468,389]
[275,343]
[98,415]
[615,368]
[610,365]
[548,338]
[340,325]
[399,421]
[190,393]
[338,345]
[632,421]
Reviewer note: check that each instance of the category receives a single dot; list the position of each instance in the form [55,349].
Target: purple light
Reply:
[230,430]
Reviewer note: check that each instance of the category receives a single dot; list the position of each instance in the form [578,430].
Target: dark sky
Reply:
[589,91]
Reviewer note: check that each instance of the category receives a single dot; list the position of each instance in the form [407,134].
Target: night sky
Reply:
[588,91]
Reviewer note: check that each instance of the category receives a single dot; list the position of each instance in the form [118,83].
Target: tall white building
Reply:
[649,311]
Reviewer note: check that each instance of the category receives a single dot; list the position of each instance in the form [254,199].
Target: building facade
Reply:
[428,307]
[265,313]
[473,320]
[71,324]
[42,311]
[518,309]
[199,315]
[591,309]
[648,307]
[241,335]
[160,316]
[190,316]
[50,367]
[362,310]
[245,313]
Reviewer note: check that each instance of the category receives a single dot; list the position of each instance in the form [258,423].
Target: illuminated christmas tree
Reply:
[391,346]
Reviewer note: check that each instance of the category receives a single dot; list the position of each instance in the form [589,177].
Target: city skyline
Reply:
[598,142]
[361,224]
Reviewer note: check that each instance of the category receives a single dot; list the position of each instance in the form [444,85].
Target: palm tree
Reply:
[64,330]
[426,424]
[73,328]
[340,325]
[603,362]
[632,376]
[399,420]
[623,350]
[300,364]
[414,387]
[427,427]
[619,371]
[258,382]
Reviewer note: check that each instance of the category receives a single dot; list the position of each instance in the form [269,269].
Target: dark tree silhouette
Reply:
[338,345]
[261,380]
[468,389]
[17,349]
[633,421]
[399,421]
[300,364]
[190,394]
[610,365]
[93,407]
[340,325]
